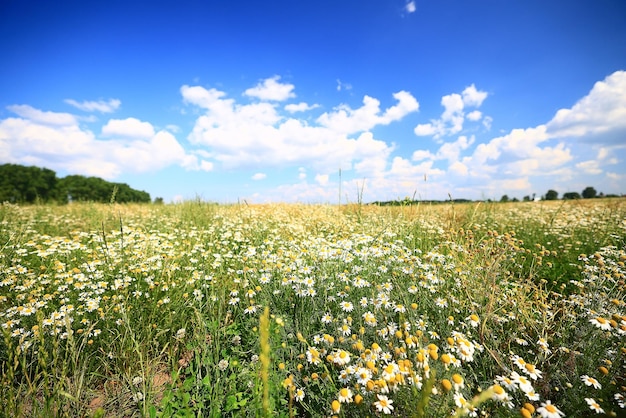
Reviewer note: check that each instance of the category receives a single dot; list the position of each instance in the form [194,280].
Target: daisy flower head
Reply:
[532,371]
[601,323]
[383,404]
[327,318]
[345,395]
[473,320]
[594,406]
[341,357]
[590,381]
[299,395]
[547,410]
[347,306]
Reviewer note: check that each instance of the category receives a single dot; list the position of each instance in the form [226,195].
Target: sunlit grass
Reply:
[313,310]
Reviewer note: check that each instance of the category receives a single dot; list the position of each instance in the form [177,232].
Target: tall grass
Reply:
[424,310]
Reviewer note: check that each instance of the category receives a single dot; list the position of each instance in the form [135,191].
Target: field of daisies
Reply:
[203,310]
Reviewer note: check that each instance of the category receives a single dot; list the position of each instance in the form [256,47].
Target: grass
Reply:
[313,310]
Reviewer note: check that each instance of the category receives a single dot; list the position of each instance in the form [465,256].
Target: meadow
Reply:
[205,310]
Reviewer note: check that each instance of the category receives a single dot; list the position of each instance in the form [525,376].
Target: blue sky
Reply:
[271,101]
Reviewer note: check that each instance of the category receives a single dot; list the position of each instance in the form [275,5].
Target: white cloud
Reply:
[128,128]
[100,106]
[259,176]
[474,115]
[473,97]
[345,120]
[56,141]
[256,135]
[487,121]
[343,86]
[321,179]
[599,117]
[271,89]
[300,107]
[410,7]
[453,116]
[589,167]
[45,118]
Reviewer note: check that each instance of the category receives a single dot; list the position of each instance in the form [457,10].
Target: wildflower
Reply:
[499,393]
[601,323]
[532,371]
[250,310]
[347,306]
[345,330]
[345,395]
[523,383]
[180,334]
[457,379]
[370,319]
[441,303]
[341,357]
[327,318]
[383,404]
[313,355]
[543,345]
[335,406]
[594,406]
[363,375]
[460,400]
[299,395]
[519,362]
[473,320]
[222,365]
[138,397]
[590,381]
[547,410]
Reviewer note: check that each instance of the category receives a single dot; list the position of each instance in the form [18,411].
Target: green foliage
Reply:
[571,196]
[21,184]
[589,193]
[551,195]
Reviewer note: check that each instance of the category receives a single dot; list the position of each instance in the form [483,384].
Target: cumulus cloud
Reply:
[259,176]
[42,117]
[410,7]
[599,117]
[128,128]
[473,97]
[453,116]
[271,89]
[96,106]
[474,115]
[55,140]
[256,135]
[343,119]
[300,107]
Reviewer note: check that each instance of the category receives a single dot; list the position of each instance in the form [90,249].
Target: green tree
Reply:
[571,195]
[22,184]
[504,198]
[552,195]
[589,193]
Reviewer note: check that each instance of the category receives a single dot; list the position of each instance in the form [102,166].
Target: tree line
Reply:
[588,193]
[30,184]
